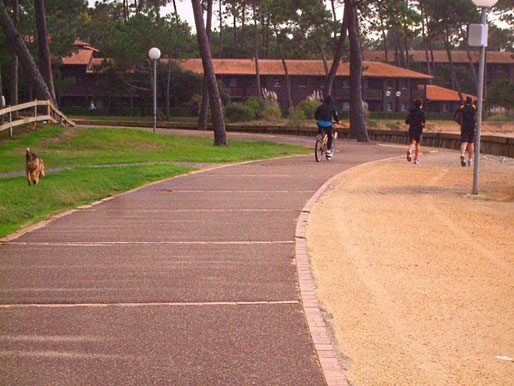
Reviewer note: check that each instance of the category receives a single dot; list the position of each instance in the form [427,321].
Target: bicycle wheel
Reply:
[318,149]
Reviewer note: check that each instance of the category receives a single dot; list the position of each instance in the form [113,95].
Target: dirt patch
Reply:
[417,279]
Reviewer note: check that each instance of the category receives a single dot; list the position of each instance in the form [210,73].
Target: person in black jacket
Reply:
[465,115]
[416,121]
[323,116]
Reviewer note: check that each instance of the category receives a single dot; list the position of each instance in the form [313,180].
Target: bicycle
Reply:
[320,148]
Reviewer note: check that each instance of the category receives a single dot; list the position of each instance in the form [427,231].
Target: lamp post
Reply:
[154,54]
[478,37]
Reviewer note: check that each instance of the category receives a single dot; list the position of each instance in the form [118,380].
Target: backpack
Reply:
[458,116]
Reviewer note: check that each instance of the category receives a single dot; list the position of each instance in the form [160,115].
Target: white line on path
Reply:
[176,304]
[102,243]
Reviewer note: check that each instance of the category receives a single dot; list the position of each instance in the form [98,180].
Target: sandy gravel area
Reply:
[416,279]
[488,128]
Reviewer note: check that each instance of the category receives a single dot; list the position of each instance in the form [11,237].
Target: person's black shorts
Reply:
[415,135]
[467,135]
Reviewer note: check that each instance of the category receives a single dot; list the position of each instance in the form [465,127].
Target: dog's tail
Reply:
[42,172]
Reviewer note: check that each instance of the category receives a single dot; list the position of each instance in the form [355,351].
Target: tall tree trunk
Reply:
[167,94]
[396,54]
[334,16]
[234,29]
[357,123]
[220,136]
[26,60]
[398,44]
[432,60]
[470,59]
[284,64]
[407,59]
[425,46]
[221,31]
[204,106]
[324,58]
[14,59]
[1,91]
[384,37]
[125,9]
[338,54]
[256,48]
[452,68]
[44,52]
[266,42]
[175,7]
[243,21]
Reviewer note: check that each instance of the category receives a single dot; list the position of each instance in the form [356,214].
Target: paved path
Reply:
[187,281]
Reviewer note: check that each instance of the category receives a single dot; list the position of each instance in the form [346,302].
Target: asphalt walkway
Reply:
[187,281]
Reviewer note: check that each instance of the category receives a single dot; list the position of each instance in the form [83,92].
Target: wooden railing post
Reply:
[35,113]
[48,108]
[10,122]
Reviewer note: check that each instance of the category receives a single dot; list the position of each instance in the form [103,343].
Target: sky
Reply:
[185,12]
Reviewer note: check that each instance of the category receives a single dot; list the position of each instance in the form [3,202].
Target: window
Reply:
[346,106]
[232,82]
[302,82]
[346,83]
[389,84]
[389,106]
[403,84]
[404,106]
[444,107]
[277,82]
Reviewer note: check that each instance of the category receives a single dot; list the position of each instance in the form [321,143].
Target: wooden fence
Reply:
[489,144]
[32,112]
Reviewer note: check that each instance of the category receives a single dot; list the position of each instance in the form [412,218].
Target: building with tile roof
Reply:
[385,87]
[500,65]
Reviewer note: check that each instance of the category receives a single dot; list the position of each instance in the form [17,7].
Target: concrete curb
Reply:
[327,354]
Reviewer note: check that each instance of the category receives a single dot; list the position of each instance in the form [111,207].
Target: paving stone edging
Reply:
[327,354]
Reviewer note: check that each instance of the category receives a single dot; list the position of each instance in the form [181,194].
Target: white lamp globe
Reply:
[485,3]
[398,93]
[154,53]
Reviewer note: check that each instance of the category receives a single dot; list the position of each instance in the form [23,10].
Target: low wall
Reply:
[489,144]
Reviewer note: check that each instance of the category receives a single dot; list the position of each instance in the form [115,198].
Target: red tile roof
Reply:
[440,56]
[83,56]
[437,93]
[297,67]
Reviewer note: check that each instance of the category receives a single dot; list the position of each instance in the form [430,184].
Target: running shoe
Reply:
[416,161]
[409,156]
[329,153]
[470,162]
[462,161]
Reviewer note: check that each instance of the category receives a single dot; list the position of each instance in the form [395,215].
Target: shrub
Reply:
[308,108]
[237,112]
[296,117]
[257,104]
[271,113]
[499,118]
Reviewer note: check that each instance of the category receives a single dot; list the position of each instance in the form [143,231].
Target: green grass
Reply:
[129,119]
[21,205]
[64,147]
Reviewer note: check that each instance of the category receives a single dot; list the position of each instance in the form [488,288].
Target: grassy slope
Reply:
[59,147]
[21,205]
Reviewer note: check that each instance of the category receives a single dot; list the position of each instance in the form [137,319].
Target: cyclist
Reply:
[324,115]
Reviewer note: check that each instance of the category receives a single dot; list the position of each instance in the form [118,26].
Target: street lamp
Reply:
[154,54]
[478,37]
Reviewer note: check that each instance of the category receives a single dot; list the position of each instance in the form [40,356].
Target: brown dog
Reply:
[35,168]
